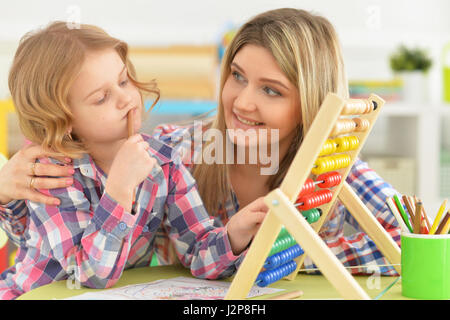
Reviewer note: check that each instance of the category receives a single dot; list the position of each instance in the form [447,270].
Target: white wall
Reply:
[156,22]
[369,29]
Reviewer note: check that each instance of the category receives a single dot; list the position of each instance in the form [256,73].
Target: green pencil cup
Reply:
[426,266]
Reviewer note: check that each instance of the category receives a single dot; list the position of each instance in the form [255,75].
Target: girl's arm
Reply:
[84,238]
[358,249]
[92,244]
[93,239]
[13,220]
[199,245]
[72,241]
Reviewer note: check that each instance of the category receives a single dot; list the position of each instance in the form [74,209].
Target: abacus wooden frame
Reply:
[282,212]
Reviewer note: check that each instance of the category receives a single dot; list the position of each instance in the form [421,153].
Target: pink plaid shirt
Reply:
[92,239]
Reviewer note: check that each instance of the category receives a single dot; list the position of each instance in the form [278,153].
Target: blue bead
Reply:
[269,276]
[283,257]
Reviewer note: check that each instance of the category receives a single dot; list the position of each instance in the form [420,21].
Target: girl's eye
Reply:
[238,76]
[271,92]
[102,100]
[124,83]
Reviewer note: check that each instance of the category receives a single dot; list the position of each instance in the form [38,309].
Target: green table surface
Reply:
[313,286]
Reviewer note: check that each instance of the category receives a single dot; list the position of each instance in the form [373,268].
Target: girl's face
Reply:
[101,97]
[257,95]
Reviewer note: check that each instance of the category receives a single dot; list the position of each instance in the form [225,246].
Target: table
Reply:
[313,286]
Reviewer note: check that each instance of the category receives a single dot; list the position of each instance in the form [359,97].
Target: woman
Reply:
[275,75]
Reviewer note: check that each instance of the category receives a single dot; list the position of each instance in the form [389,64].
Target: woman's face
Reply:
[257,95]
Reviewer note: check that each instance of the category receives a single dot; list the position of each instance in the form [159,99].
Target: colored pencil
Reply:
[418,218]
[391,205]
[402,212]
[425,216]
[288,295]
[130,123]
[444,225]
[427,221]
[438,217]
[130,126]
[409,206]
[446,228]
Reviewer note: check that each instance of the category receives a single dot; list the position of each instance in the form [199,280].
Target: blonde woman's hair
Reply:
[44,68]
[307,50]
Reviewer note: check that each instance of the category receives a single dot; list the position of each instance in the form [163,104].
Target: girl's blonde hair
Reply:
[44,68]
[307,49]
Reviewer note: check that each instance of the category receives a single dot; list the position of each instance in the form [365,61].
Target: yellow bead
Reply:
[342,144]
[334,162]
[328,148]
[346,143]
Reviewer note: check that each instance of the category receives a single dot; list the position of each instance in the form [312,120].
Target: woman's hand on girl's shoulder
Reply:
[22,175]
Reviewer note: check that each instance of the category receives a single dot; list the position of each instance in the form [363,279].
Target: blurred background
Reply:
[397,49]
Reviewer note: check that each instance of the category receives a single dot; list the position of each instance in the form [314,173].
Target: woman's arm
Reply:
[206,249]
[16,184]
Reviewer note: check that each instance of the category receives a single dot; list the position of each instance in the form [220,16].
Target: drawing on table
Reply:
[180,288]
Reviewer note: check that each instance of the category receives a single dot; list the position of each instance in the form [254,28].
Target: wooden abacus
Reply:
[302,210]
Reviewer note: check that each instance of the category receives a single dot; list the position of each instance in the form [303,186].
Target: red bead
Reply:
[307,188]
[330,179]
[315,199]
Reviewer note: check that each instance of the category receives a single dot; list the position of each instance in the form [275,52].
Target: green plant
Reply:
[405,59]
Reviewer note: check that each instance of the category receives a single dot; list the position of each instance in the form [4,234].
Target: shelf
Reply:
[414,130]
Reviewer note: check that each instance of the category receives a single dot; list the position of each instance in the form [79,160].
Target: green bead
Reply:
[311,215]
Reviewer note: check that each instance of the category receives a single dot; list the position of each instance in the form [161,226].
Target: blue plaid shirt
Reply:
[356,250]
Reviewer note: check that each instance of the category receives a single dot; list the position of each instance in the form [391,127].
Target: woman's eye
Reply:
[124,83]
[271,92]
[238,76]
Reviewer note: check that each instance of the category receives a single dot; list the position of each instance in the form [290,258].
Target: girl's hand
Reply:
[21,176]
[243,226]
[130,167]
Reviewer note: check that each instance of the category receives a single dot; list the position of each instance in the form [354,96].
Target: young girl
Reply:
[275,75]
[73,90]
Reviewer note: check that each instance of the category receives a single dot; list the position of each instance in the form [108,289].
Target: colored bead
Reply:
[361,124]
[358,106]
[314,200]
[329,179]
[346,143]
[330,163]
[282,244]
[282,257]
[328,148]
[308,187]
[269,276]
[283,232]
[312,215]
[343,126]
